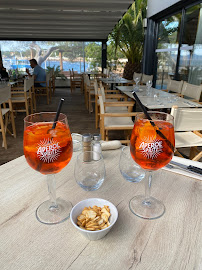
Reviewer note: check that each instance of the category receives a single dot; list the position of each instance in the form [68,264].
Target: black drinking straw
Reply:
[143,108]
[58,113]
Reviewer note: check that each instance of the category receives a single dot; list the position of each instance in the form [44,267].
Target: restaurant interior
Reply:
[107,131]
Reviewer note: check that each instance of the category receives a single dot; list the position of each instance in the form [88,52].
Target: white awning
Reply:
[60,19]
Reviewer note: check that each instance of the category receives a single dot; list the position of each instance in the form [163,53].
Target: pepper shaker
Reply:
[87,147]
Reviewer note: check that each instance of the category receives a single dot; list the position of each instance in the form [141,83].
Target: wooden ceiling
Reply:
[60,19]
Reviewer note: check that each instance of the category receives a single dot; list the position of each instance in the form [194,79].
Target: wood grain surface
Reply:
[170,242]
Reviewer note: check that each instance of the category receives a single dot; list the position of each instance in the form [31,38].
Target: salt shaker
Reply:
[96,146]
[87,147]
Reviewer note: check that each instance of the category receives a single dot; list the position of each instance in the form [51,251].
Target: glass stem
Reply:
[52,192]
[148,183]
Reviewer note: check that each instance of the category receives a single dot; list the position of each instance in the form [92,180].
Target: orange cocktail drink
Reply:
[151,146]
[48,150]
[148,148]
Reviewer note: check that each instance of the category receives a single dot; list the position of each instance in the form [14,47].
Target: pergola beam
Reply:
[60,19]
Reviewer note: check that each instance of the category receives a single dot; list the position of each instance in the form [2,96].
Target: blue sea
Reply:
[77,66]
[22,64]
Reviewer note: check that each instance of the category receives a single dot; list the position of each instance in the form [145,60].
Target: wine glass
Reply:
[149,85]
[137,80]
[130,170]
[157,98]
[152,146]
[89,170]
[111,75]
[48,149]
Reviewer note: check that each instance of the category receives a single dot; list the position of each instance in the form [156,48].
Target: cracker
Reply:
[94,219]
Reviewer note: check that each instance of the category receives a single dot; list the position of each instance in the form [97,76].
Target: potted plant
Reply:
[128,37]
[60,79]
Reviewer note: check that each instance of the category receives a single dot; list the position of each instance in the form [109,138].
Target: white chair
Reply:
[192,91]
[137,75]
[115,121]
[146,78]
[174,86]
[187,125]
[89,93]
[114,98]
[24,95]
[6,114]
[102,92]
[106,72]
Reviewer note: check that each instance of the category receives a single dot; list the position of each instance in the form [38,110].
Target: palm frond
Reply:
[128,34]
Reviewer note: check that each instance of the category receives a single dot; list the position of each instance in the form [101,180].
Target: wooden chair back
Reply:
[192,91]
[175,86]
[102,92]
[48,78]
[96,87]
[102,109]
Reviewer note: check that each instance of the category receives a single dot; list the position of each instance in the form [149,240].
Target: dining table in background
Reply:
[170,242]
[162,100]
[115,80]
[92,74]
[14,83]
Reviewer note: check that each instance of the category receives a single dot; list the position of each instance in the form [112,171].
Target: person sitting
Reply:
[39,73]
[3,73]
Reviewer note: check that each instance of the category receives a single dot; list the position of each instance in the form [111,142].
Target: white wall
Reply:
[156,6]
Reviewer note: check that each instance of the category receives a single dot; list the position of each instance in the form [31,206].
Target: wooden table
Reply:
[170,242]
[92,73]
[166,100]
[13,83]
[115,80]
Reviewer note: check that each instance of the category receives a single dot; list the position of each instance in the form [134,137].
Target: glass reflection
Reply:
[191,51]
[167,49]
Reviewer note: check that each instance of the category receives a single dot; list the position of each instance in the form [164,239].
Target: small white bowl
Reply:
[78,208]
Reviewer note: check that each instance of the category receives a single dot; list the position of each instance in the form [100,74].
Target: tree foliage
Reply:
[128,34]
[93,53]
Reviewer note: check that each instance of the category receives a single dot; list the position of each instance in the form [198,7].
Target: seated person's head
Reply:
[33,63]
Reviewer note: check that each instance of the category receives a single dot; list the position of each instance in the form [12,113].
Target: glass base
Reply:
[50,215]
[147,209]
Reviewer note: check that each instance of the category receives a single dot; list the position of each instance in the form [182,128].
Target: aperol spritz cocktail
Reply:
[48,150]
[148,148]
[152,147]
